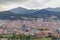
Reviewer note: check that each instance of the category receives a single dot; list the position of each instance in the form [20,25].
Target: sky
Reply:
[29,4]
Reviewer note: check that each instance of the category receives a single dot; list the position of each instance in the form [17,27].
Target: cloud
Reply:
[40,4]
[9,4]
[53,4]
[37,3]
[12,1]
[31,4]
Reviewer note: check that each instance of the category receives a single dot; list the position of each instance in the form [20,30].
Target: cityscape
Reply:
[29,19]
[30,26]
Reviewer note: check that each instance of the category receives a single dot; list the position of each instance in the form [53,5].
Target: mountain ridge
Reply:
[43,13]
[22,10]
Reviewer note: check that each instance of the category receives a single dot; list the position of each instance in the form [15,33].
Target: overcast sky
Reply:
[30,4]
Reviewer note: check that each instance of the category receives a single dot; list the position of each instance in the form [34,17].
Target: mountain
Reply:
[44,13]
[7,15]
[16,13]
[21,10]
[54,9]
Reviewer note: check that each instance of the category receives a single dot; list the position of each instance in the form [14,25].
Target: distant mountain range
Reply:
[54,9]
[16,13]
[21,10]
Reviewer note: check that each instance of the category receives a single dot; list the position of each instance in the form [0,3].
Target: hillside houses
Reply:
[28,25]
